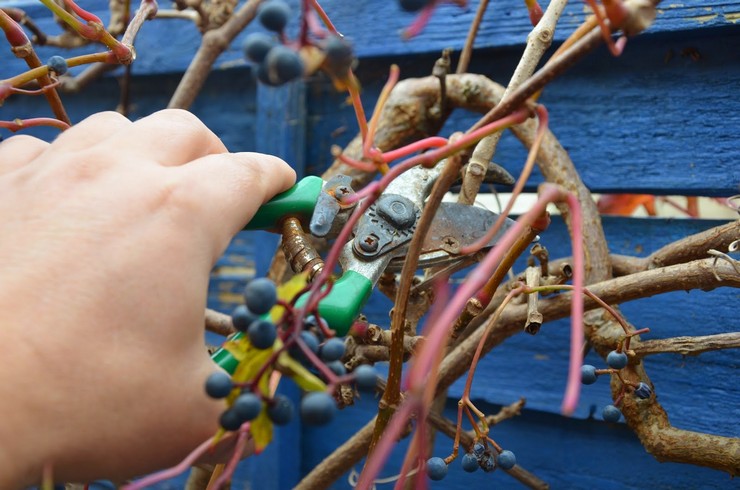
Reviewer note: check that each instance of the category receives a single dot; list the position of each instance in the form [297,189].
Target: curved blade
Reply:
[456,226]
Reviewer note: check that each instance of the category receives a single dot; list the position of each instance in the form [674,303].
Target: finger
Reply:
[230,188]
[90,132]
[171,137]
[17,151]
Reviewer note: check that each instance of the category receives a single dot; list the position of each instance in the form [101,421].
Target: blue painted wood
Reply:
[376,31]
[536,366]
[570,454]
[645,122]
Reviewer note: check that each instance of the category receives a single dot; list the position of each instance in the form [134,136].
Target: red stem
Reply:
[181,467]
[236,457]
[84,14]
[425,144]
[19,124]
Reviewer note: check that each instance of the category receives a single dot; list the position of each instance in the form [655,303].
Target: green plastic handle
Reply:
[223,358]
[299,201]
[339,308]
[343,303]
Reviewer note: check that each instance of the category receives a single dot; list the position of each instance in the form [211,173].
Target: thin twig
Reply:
[687,346]
[464,61]
[537,43]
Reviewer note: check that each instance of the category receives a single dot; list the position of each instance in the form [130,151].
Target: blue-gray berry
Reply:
[230,420]
[257,45]
[332,350]
[610,413]
[337,368]
[57,64]
[242,318]
[262,334]
[219,385]
[643,391]
[365,377]
[487,463]
[283,65]
[469,462]
[260,295]
[506,460]
[274,15]
[436,468]
[280,410]
[616,360]
[478,449]
[588,374]
[248,406]
[317,408]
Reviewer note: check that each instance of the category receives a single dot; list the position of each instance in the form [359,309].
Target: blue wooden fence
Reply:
[655,120]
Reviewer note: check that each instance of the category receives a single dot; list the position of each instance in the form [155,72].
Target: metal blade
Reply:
[455,226]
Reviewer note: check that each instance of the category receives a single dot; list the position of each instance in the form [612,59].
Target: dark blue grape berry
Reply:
[262,334]
[487,463]
[260,295]
[283,65]
[616,360]
[506,460]
[230,420]
[588,374]
[248,406]
[436,468]
[414,5]
[280,410]
[257,45]
[610,413]
[311,342]
[242,318]
[274,15]
[219,385]
[317,408]
[337,368]
[479,449]
[365,377]
[263,75]
[339,56]
[643,391]
[469,462]
[332,350]
[57,64]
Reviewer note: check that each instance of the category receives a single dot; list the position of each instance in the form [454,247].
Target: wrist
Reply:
[23,448]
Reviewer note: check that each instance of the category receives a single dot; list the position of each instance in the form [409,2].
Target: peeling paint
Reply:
[703,19]
[732,17]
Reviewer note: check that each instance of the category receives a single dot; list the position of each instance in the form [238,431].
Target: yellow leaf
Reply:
[236,349]
[302,376]
[261,430]
[286,292]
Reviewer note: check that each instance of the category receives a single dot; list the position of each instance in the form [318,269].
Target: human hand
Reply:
[108,236]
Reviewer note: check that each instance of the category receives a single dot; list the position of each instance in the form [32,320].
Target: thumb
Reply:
[230,188]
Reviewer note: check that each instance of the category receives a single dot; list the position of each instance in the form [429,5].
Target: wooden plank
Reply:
[651,121]
[536,367]
[567,453]
[375,31]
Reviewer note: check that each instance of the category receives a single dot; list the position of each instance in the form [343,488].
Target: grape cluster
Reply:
[616,360]
[251,319]
[277,63]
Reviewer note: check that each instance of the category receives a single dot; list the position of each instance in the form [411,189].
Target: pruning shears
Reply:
[380,237]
